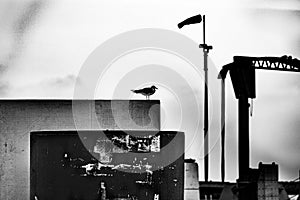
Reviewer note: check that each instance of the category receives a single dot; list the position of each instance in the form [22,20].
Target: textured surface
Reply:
[57,158]
[19,117]
[191,184]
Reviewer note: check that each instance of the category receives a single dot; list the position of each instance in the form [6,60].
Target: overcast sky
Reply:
[44,44]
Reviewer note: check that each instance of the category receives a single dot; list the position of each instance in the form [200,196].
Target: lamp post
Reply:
[194,20]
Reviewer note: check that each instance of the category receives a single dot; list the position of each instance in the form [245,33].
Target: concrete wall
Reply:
[191,182]
[19,117]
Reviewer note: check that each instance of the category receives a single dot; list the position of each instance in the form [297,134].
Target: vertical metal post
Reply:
[203,18]
[193,20]
[243,137]
[206,161]
[223,129]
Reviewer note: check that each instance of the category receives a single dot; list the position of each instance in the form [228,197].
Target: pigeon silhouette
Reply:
[146,91]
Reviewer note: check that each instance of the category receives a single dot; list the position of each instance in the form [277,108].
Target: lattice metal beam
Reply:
[284,63]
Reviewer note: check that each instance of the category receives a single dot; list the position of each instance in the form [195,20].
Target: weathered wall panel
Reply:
[19,117]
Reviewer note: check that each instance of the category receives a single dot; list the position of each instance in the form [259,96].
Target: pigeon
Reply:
[146,91]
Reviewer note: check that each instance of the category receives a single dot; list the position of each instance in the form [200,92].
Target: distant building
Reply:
[267,184]
[191,183]
[261,184]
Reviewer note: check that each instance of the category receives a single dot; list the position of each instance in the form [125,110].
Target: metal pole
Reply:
[223,129]
[205,107]
[203,29]
[243,136]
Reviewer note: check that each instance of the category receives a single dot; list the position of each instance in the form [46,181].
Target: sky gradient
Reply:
[45,43]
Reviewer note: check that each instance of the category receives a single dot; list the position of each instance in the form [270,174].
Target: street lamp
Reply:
[195,20]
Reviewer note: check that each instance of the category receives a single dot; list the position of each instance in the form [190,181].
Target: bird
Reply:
[146,91]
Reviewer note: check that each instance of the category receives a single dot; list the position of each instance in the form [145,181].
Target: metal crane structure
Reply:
[242,72]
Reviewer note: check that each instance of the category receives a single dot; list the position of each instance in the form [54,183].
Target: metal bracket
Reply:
[205,47]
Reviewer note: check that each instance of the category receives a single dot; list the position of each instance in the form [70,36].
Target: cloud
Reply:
[27,17]
[277,4]
[58,87]
[66,81]
[4,87]
[2,68]
[18,16]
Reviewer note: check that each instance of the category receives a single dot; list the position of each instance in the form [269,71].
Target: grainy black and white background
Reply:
[44,43]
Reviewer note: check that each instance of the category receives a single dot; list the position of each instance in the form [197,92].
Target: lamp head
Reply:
[192,20]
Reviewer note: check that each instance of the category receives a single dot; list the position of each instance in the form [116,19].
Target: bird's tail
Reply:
[133,91]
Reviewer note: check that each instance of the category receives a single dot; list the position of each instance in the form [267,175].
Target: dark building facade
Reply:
[139,165]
